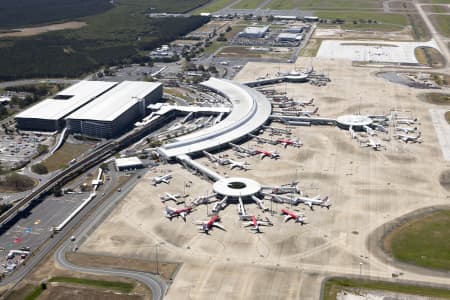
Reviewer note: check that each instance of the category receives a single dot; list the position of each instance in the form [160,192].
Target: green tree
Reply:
[39,168]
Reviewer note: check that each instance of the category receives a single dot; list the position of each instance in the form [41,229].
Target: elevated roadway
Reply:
[250,110]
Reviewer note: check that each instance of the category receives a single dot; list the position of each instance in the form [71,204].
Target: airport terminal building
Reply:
[115,111]
[49,114]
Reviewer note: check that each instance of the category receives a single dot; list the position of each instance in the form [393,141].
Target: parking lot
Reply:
[16,149]
[31,231]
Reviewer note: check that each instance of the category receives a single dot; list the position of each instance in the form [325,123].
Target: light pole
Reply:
[360,269]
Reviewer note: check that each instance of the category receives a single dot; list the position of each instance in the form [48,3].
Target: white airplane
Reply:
[241,165]
[369,130]
[308,113]
[299,218]
[406,121]
[160,179]
[256,223]
[314,201]
[375,145]
[271,154]
[305,103]
[409,138]
[352,132]
[216,159]
[177,212]
[242,149]
[206,226]
[406,129]
[171,197]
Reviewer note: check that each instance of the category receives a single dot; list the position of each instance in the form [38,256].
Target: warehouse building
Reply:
[115,111]
[128,163]
[254,32]
[49,114]
[289,37]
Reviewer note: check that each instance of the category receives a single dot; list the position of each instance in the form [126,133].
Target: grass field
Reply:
[325,4]
[437,98]
[214,47]
[443,23]
[23,292]
[213,6]
[436,1]
[248,4]
[423,241]
[334,285]
[310,50]
[123,287]
[64,155]
[429,56]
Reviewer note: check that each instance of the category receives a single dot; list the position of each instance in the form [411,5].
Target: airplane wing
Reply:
[248,224]
[215,224]
[287,218]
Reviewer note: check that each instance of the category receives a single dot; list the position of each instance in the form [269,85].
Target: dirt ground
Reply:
[30,31]
[289,261]
[338,33]
[67,292]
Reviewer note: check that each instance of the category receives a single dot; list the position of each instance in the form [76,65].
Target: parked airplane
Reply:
[308,113]
[242,149]
[159,179]
[375,145]
[352,132]
[168,196]
[263,140]
[299,218]
[409,138]
[406,121]
[178,212]
[236,164]
[271,154]
[206,226]
[290,142]
[406,129]
[216,159]
[369,130]
[314,201]
[305,103]
[256,223]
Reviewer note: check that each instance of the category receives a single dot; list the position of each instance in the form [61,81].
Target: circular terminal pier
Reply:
[356,121]
[236,187]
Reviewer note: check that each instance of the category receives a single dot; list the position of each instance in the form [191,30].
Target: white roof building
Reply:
[254,31]
[128,163]
[116,101]
[66,101]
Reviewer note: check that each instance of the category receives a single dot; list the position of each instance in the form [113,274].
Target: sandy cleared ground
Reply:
[289,261]
[338,33]
[30,31]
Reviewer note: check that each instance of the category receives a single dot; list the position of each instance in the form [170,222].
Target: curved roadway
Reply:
[250,111]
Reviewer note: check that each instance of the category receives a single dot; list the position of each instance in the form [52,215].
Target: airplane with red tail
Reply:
[178,212]
[299,218]
[206,226]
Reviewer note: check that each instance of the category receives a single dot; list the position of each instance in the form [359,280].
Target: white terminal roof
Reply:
[288,35]
[128,162]
[251,109]
[236,187]
[256,30]
[115,102]
[55,109]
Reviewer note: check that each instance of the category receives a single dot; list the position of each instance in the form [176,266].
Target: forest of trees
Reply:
[17,13]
